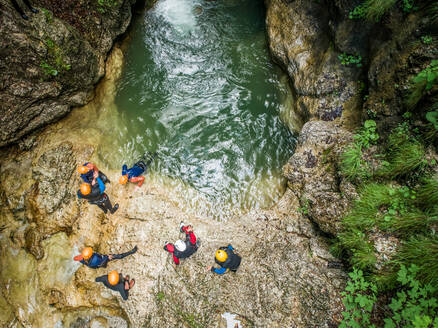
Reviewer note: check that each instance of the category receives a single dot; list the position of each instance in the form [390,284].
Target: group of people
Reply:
[93,190]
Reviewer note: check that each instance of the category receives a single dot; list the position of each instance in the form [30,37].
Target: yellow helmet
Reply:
[221,255]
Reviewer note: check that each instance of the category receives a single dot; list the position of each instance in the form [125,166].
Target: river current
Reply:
[199,88]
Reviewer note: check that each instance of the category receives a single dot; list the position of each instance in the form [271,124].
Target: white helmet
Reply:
[180,245]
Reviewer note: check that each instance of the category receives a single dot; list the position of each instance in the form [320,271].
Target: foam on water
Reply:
[179,13]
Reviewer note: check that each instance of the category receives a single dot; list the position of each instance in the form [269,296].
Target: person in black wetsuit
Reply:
[183,248]
[227,259]
[89,173]
[20,11]
[95,260]
[117,282]
[95,195]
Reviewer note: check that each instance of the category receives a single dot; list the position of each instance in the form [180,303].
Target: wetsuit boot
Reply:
[19,10]
[32,9]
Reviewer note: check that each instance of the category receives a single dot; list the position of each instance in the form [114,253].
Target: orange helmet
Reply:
[123,179]
[113,277]
[83,169]
[87,252]
[85,189]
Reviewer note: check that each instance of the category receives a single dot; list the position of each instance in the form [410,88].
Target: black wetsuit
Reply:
[231,263]
[99,198]
[119,287]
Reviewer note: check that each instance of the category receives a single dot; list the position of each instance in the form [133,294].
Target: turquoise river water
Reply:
[198,86]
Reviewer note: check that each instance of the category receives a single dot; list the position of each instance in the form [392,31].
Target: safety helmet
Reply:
[113,277]
[123,179]
[83,169]
[221,255]
[85,188]
[87,252]
[180,245]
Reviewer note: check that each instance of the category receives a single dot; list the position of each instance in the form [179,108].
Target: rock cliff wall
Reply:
[306,38]
[50,65]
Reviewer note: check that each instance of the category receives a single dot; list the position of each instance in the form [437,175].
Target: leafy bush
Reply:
[358,298]
[426,39]
[375,9]
[350,59]
[415,306]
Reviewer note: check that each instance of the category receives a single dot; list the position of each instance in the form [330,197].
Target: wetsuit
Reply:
[100,261]
[89,176]
[191,247]
[231,263]
[99,198]
[119,287]
[136,170]
[18,8]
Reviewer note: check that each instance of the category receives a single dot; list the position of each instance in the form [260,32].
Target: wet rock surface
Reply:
[49,66]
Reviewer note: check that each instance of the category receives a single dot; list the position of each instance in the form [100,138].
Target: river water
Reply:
[199,88]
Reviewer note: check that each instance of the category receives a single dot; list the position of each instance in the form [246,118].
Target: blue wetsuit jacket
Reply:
[96,261]
[133,172]
[93,191]
[87,177]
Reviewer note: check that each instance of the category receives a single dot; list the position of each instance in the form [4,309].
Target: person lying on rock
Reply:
[113,282]
[95,195]
[134,173]
[95,260]
[20,11]
[89,173]
[227,260]
[183,248]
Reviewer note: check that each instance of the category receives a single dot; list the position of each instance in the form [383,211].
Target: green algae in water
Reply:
[199,88]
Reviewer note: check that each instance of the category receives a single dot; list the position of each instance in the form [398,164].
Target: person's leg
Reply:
[30,6]
[141,164]
[102,207]
[17,8]
[140,180]
[108,206]
[122,255]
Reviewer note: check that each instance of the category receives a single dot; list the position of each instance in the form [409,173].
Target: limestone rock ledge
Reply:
[285,279]
[49,66]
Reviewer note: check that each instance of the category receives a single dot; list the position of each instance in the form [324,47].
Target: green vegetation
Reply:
[105,4]
[358,298]
[353,166]
[304,209]
[373,10]
[426,39]
[350,59]
[55,62]
[413,306]
[422,83]
[48,14]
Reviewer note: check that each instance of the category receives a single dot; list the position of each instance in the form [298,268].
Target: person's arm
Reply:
[175,259]
[124,169]
[140,180]
[100,279]
[79,195]
[219,271]
[189,232]
[101,185]
[124,292]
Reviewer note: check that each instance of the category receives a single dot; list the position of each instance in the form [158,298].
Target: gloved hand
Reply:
[181,226]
